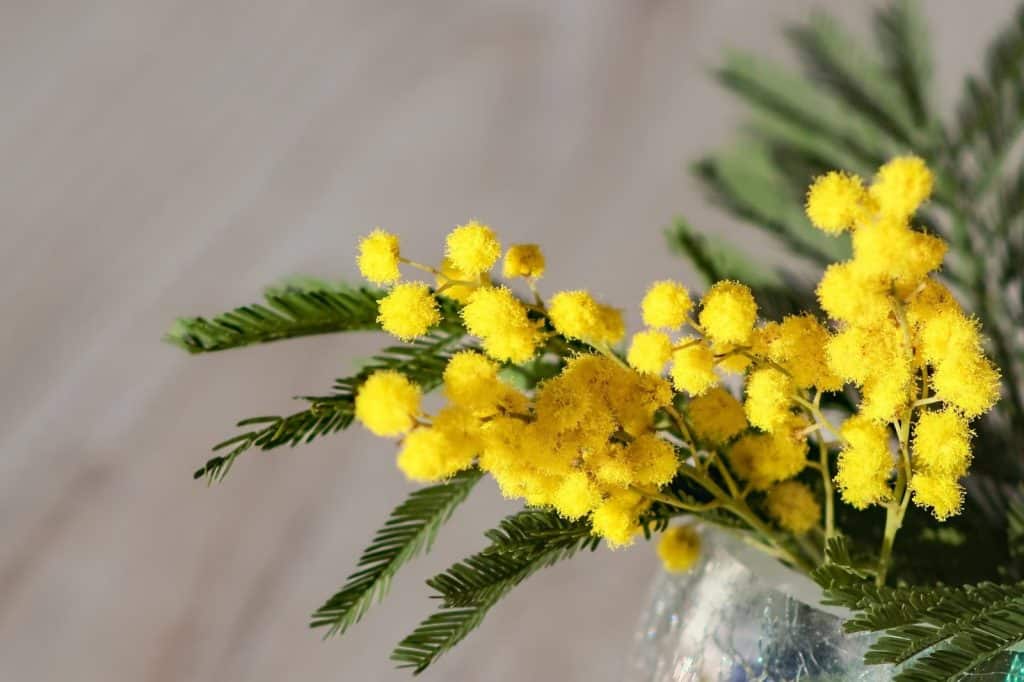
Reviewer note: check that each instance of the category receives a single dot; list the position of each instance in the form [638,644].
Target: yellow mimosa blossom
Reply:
[890,250]
[851,296]
[950,334]
[577,315]
[434,453]
[652,460]
[471,381]
[378,257]
[576,496]
[902,185]
[940,493]
[928,301]
[649,352]
[717,416]
[500,319]
[408,311]
[835,201]
[942,443]
[799,344]
[666,305]
[885,394]
[473,248]
[679,548]
[728,312]
[793,506]
[763,459]
[524,260]
[769,396]
[387,403]
[616,518]
[693,367]
[970,383]
[865,463]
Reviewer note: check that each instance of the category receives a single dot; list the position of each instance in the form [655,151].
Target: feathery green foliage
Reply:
[522,545]
[289,312]
[933,633]
[409,531]
[423,361]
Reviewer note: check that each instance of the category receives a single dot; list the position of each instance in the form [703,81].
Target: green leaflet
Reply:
[288,312]
[422,360]
[409,531]
[522,545]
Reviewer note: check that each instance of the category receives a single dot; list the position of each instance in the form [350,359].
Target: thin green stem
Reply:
[421,266]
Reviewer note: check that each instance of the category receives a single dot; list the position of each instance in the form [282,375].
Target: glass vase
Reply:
[737,616]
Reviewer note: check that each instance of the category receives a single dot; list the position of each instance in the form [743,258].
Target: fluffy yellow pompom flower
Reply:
[679,548]
[848,295]
[970,383]
[471,381]
[728,312]
[902,185]
[769,395]
[762,459]
[499,318]
[615,519]
[835,201]
[524,260]
[890,250]
[799,344]
[378,257]
[864,464]
[431,454]
[717,416]
[793,506]
[421,458]
[649,352]
[942,494]
[693,368]
[576,496]
[929,301]
[409,310]
[473,248]
[387,403]
[666,305]
[949,334]
[651,459]
[942,443]
[886,393]
[457,292]
[577,315]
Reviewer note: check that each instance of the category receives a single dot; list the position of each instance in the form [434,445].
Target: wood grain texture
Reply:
[166,158]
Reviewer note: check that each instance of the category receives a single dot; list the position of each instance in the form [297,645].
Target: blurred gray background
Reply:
[170,158]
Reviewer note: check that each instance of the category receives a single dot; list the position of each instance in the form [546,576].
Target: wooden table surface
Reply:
[163,158]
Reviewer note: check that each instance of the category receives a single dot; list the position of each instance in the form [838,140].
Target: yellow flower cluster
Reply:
[583,444]
[901,338]
[601,439]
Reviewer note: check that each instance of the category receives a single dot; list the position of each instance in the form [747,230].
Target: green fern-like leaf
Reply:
[288,312]
[903,40]
[409,531]
[522,545]
[933,634]
[422,360]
